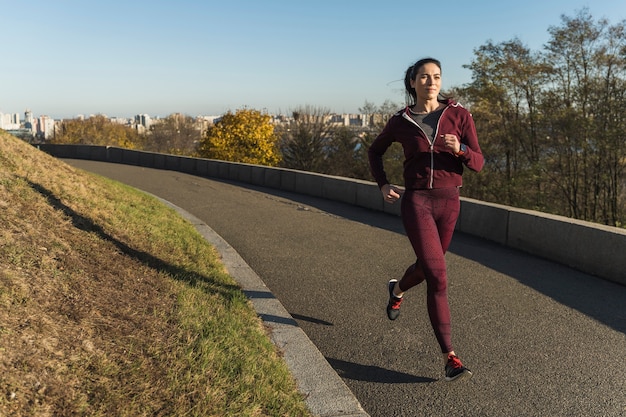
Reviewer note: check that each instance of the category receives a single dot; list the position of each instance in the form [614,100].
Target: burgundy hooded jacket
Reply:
[428,165]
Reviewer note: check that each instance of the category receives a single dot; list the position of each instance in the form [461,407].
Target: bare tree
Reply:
[342,149]
[177,134]
[303,143]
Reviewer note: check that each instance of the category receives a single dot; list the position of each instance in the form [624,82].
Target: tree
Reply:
[246,136]
[551,124]
[177,134]
[303,143]
[586,119]
[502,97]
[386,110]
[393,158]
[369,110]
[97,130]
[342,148]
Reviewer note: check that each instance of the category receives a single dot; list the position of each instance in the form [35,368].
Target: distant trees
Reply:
[552,123]
[244,136]
[315,140]
[394,157]
[303,141]
[97,130]
[176,134]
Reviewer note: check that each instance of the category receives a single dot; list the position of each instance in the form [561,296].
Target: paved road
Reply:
[542,339]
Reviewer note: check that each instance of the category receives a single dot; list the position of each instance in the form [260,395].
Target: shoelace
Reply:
[395,303]
[454,362]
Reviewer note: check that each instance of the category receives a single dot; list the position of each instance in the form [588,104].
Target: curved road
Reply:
[542,339]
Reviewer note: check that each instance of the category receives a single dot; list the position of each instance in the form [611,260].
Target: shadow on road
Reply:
[595,297]
[311,319]
[369,373]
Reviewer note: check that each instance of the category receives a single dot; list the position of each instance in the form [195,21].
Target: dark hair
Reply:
[410,75]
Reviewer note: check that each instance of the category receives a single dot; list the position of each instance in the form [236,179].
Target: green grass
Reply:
[111,304]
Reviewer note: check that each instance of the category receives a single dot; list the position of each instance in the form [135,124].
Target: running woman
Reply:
[439,138]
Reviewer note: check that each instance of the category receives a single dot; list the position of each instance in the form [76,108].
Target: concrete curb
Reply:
[325,393]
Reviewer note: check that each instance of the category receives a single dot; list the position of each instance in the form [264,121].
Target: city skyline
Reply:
[29,115]
[45,127]
[207,58]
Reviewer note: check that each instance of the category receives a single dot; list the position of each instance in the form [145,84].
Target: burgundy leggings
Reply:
[429,217]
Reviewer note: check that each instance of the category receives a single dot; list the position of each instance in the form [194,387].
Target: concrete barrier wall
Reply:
[595,249]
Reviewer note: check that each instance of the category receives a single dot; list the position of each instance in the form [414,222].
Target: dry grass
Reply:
[111,304]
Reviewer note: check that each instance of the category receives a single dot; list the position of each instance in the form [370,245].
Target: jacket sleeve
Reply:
[376,151]
[473,157]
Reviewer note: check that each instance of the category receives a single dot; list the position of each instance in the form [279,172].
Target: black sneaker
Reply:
[393,306]
[455,369]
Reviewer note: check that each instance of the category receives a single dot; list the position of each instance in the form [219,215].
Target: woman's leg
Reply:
[412,276]
[429,217]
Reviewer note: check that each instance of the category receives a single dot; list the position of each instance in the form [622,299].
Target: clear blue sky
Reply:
[121,58]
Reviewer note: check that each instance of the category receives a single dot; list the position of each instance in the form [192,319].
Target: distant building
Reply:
[45,127]
[143,120]
[121,121]
[210,119]
[10,121]
[29,120]
[24,134]
[348,120]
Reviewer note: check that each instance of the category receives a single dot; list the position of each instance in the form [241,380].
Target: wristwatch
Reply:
[462,150]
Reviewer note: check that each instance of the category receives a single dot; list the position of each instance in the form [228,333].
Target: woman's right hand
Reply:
[391,194]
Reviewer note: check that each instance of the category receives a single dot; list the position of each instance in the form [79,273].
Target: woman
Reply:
[438,137]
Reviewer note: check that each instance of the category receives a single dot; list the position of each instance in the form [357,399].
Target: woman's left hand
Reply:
[451,142]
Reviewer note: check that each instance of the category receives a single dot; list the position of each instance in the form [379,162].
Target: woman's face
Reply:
[427,82]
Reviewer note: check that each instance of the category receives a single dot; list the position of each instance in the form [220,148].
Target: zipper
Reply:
[431,143]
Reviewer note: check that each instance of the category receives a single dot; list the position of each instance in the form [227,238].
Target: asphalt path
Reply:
[542,339]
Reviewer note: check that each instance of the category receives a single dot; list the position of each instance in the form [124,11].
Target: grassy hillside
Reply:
[113,305]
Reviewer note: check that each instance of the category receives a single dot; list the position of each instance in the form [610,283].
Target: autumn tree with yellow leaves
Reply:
[246,136]
[97,130]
